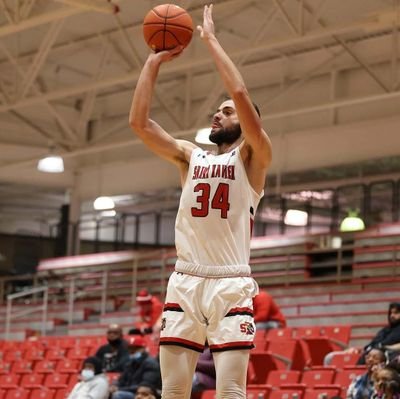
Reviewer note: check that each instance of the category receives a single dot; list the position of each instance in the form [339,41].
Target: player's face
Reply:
[225,128]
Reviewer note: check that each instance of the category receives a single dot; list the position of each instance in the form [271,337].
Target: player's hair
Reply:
[254,105]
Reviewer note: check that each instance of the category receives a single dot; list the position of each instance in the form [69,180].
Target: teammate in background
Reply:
[267,313]
[209,296]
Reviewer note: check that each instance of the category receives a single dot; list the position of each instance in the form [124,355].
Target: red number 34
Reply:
[220,200]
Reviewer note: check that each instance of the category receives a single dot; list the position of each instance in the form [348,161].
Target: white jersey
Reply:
[215,217]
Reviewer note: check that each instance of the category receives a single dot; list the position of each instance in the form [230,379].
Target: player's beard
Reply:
[225,135]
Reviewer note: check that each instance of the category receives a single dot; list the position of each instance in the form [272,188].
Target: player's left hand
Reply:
[207,30]
[167,55]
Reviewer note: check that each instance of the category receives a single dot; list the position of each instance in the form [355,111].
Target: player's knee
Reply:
[231,390]
[173,391]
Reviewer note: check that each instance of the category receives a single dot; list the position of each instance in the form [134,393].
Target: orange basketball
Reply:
[167,26]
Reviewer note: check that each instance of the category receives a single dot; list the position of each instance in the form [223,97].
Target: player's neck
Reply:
[224,148]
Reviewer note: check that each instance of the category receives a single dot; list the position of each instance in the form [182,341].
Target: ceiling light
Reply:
[352,222]
[101,203]
[202,136]
[51,164]
[295,217]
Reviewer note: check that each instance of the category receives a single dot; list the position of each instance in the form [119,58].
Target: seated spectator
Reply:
[362,386]
[93,383]
[141,369]
[387,384]
[266,312]
[114,355]
[388,335]
[146,391]
[150,309]
[204,376]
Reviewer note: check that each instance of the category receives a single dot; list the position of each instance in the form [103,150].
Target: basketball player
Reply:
[209,295]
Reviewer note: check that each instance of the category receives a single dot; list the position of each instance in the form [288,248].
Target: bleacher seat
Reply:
[45,366]
[12,355]
[323,393]
[314,378]
[342,360]
[344,377]
[339,336]
[55,353]
[2,393]
[77,353]
[34,354]
[31,381]
[260,365]
[56,380]
[19,393]
[5,367]
[278,377]
[61,393]
[68,366]
[22,367]
[42,393]
[9,381]
[279,333]
[286,394]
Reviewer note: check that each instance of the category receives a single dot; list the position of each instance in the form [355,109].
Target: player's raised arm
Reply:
[152,134]
[250,122]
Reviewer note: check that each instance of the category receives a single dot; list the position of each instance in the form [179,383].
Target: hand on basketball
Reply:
[207,30]
[168,55]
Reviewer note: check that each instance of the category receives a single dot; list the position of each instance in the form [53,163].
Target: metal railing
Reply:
[10,314]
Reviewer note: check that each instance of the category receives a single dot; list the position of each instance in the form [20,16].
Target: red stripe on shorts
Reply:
[173,307]
[238,311]
[182,342]
[231,346]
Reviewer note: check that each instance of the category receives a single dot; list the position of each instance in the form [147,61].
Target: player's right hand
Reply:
[167,55]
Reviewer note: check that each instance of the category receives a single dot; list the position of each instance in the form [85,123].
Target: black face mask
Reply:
[115,342]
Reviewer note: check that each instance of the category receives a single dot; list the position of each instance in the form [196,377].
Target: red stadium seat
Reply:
[56,380]
[2,394]
[286,394]
[278,377]
[321,393]
[9,381]
[55,354]
[279,333]
[339,336]
[78,353]
[42,393]
[45,366]
[345,377]
[312,378]
[61,393]
[257,393]
[19,393]
[5,367]
[287,354]
[22,367]
[342,360]
[31,381]
[13,355]
[260,364]
[68,366]
[308,332]
[34,354]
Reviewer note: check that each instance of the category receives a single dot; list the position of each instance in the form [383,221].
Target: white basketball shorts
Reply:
[217,309]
